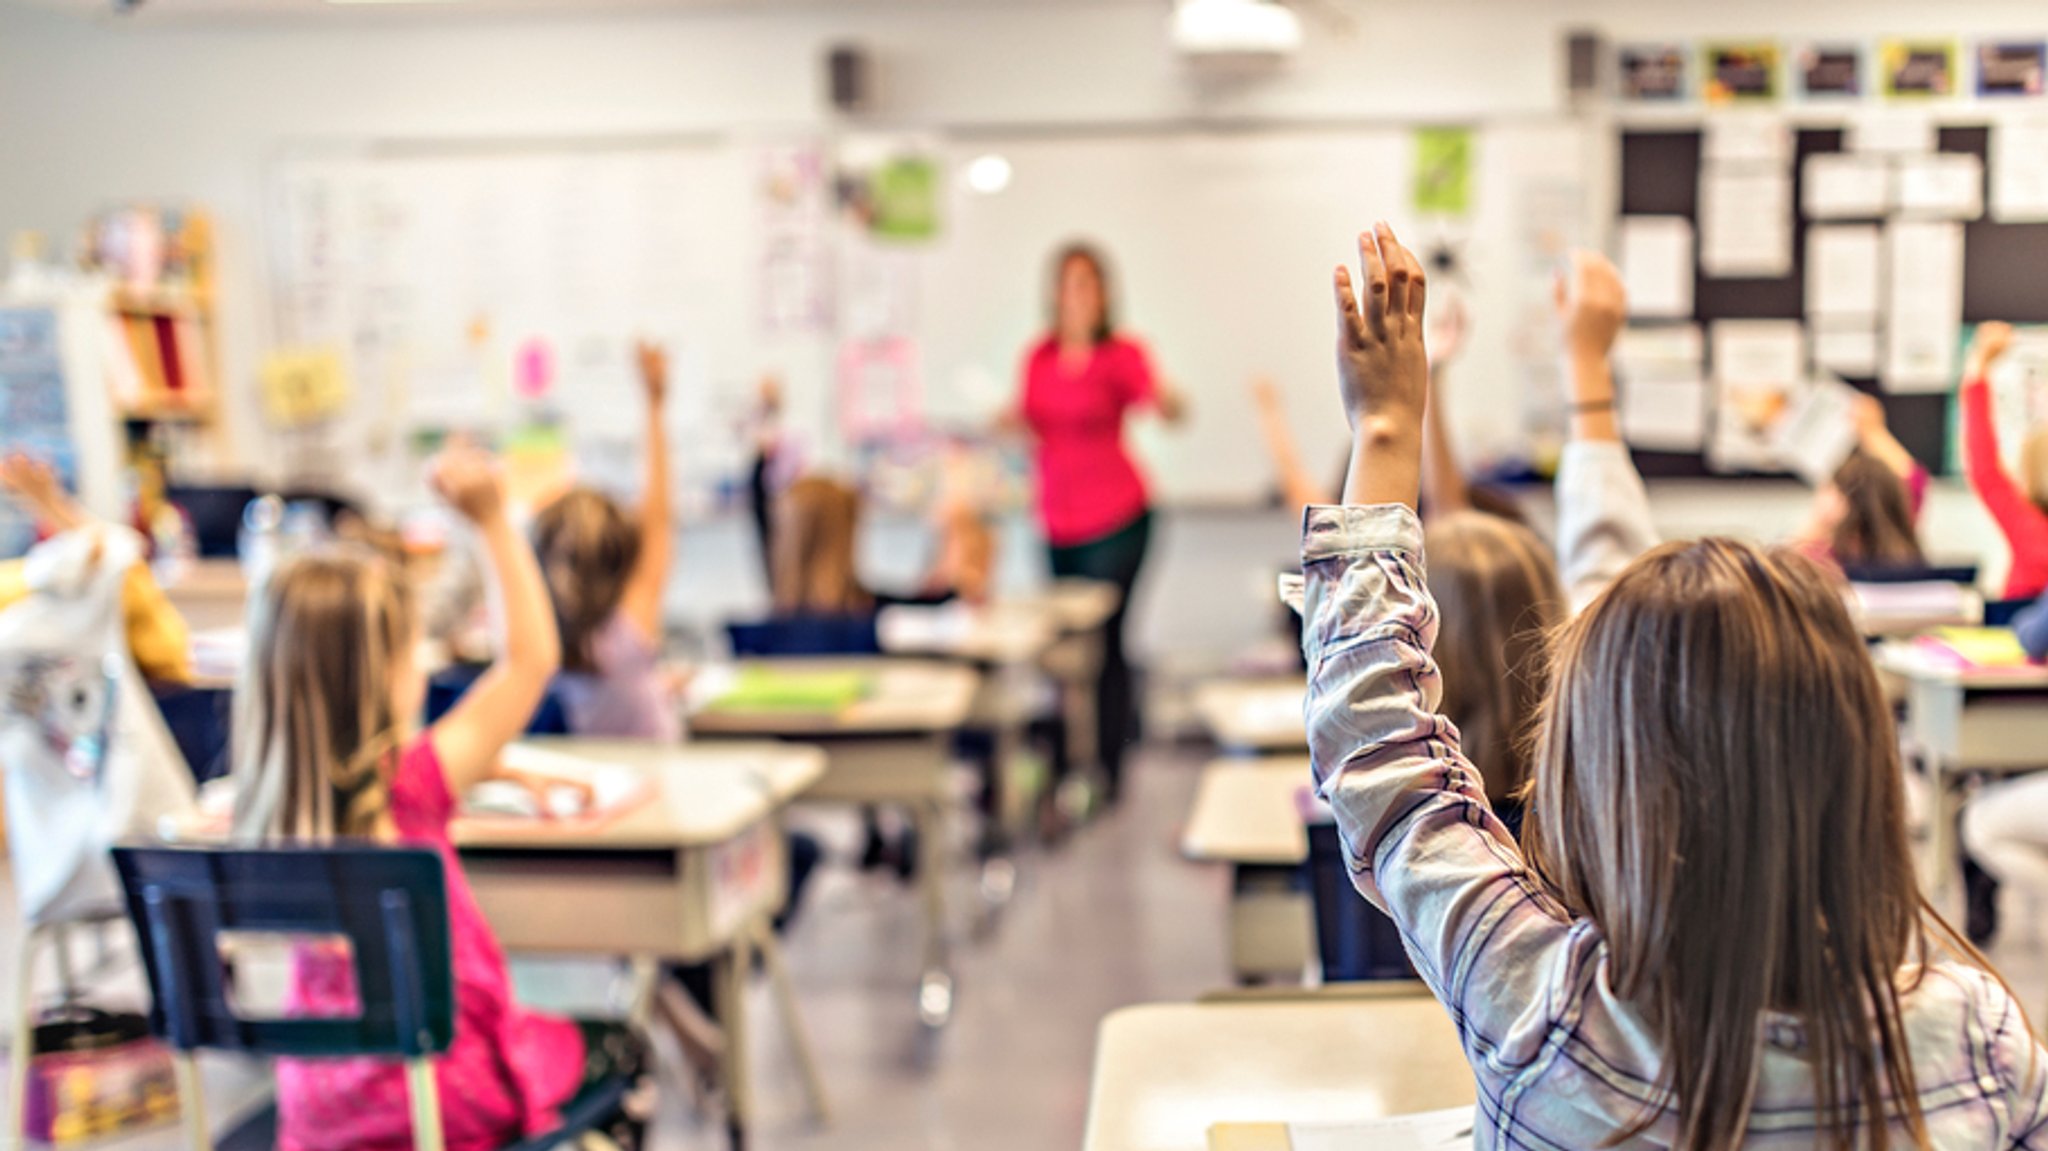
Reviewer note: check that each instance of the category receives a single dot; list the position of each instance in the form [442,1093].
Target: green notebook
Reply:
[778,689]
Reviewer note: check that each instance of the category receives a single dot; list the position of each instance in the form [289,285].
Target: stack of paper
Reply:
[1904,608]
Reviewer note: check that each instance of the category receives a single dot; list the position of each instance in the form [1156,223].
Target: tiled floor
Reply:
[1114,917]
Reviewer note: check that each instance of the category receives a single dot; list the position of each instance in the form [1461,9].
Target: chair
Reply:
[798,636]
[447,687]
[1354,939]
[390,904]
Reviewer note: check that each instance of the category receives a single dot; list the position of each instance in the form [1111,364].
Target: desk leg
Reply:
[935,986]
[731,997]
[792,1023]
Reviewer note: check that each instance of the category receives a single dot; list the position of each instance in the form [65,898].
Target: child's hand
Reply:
[1591,305]
[1992,341]
[1266,395]
[30,481]
[653,370]
[1867,414]
[1382,366]
[469,479]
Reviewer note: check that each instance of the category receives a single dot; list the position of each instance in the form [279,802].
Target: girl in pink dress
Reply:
[325,750]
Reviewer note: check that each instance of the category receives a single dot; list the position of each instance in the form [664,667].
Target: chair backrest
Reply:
[447,687]
[1957,573]
[390,904]
[815,635]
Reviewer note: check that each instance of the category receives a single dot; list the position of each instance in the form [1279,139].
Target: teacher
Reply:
[1079,383]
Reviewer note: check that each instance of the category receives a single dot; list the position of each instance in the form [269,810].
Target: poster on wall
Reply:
[2011,67]
[1651,73]
[1442,183]
[1740,73]
[35,411]
[1918,69]
[1830,72]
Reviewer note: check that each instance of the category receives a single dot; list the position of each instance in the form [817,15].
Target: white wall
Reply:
[95,111]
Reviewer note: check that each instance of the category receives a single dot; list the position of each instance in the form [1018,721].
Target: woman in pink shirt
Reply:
[1079,382]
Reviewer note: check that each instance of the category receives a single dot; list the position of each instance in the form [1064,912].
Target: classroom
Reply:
[1142,575]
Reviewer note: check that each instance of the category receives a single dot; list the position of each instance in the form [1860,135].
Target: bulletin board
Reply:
[1660,176]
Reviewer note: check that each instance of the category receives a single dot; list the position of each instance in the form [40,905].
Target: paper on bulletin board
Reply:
[1830,71]
[1941,186]
[1917,69]
[880,394]
[1892,132]
[2019,170]
[1736,73]
[1818,431]
[1442,182]
[1925,300]
[1657,265]
[1846,186]
[1757,367]
[304,385]
[1746,222]
[1844,263]
[1748,138]
[1850,349]
[1663,389]
[2011,68]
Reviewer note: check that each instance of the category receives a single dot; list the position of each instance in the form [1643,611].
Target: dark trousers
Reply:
[1115,558]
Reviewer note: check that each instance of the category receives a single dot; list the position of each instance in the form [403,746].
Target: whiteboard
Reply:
[1222,243]
[1223,246]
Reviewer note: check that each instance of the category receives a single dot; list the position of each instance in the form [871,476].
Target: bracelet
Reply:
[1593,407]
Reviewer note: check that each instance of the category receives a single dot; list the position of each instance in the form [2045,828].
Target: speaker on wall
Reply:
[849,78]
[1583,51]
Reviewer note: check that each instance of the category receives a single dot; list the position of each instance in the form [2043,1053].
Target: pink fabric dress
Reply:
[506,1073]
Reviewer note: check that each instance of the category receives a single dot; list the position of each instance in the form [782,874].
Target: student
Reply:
[2017,505]
[607,572]
[1864,517]
[157,637]
[325,750]
[1716,939]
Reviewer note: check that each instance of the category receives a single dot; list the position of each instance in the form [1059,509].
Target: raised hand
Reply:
[653,361]
[1591,305]
[34,484]
[1987,347]
[1382,366]
[470,480]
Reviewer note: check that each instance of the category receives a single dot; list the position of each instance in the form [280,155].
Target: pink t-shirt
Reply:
[508,1070]
[1088,486]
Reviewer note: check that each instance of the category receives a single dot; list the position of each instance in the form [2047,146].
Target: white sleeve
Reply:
[1603,517]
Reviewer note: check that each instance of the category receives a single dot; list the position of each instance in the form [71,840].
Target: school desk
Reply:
[209,594]
[1081,609]
[1246,815]
[694,872]
[1166,1073]
[892,746]
[1251,716]
[1957,722]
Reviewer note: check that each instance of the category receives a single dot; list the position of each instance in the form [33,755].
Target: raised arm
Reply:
[497,708]
[32,483]
[648,583]
[1603,511]
[1444,487]
[1421,840]
[1297,486]
[2024,524]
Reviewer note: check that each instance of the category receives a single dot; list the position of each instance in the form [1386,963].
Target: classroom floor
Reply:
[1114,917]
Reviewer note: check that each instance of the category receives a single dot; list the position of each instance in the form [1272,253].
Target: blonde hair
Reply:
[315,731]
[2034,465]
[1717,786]
[817,528]
[1498,598]
[587,547]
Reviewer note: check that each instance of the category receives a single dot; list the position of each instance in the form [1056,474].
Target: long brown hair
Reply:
[1498,598]
[1718,788]
[587,547]
[1877,520]
[1098,265]
[817,528]
[315,733]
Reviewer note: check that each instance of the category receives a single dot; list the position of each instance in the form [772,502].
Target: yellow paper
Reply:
[1985,646]
[304,385]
